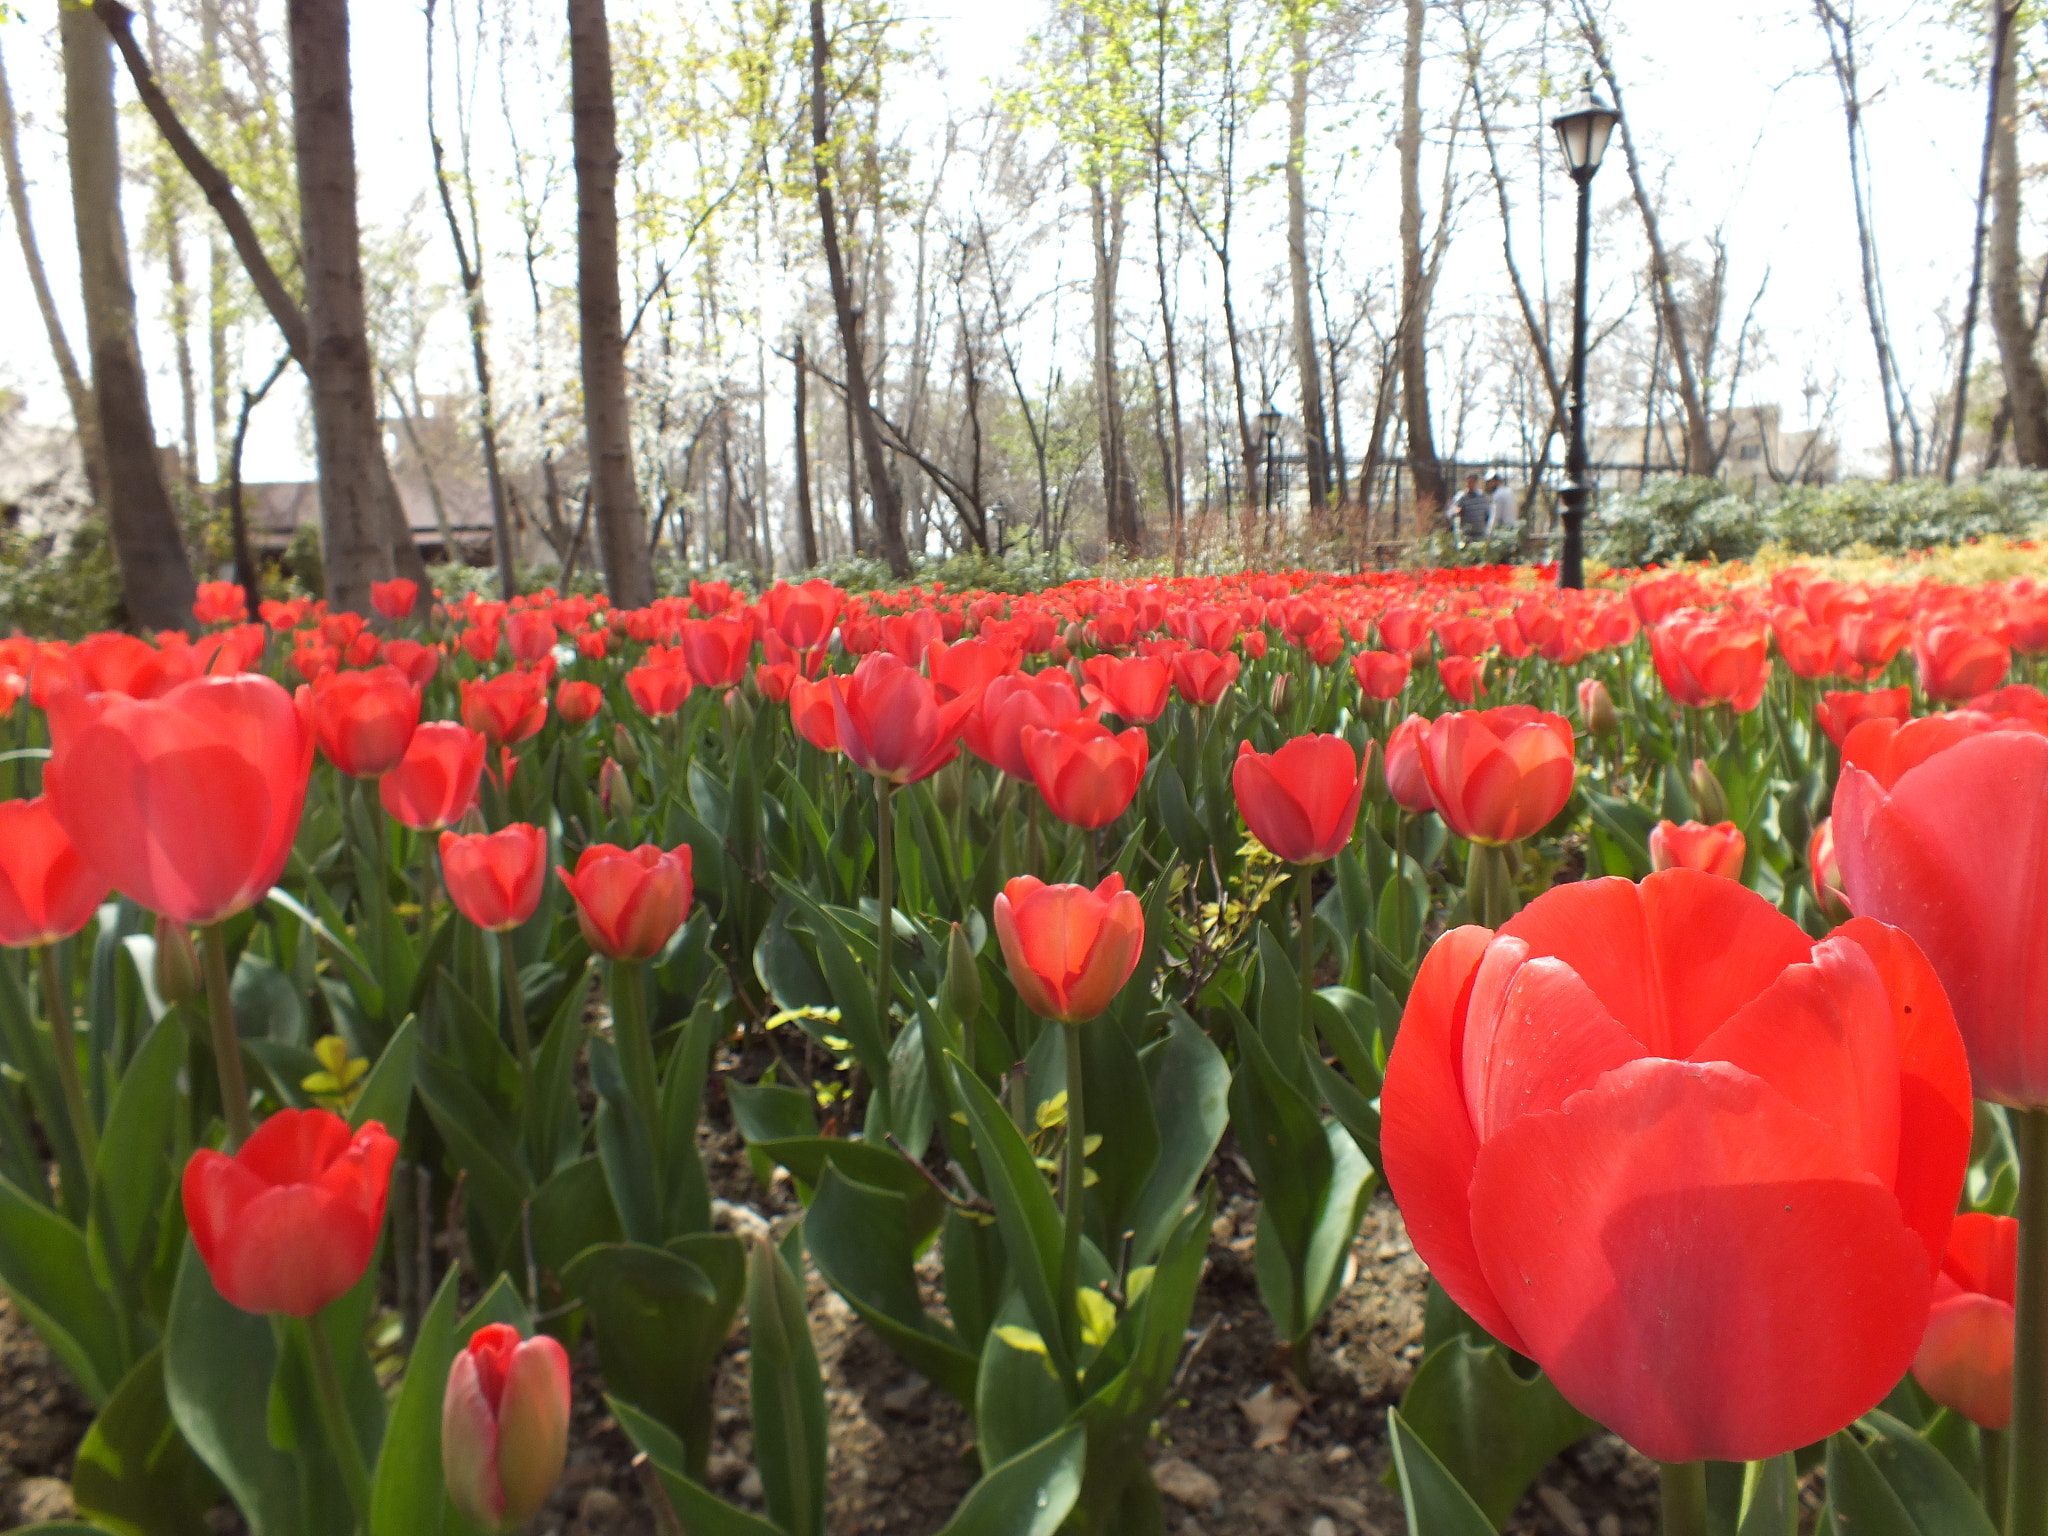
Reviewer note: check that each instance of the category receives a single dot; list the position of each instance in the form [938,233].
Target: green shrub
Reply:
[59,587]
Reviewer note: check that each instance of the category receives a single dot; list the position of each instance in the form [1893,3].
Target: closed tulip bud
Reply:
[1073,637]
[1276,700]
[614,789]
[949,787]
[963,976]
[623,747]
[504,1427]
[1375,774]
[739,712]
[177,974]
[1707,792]
[1596,708]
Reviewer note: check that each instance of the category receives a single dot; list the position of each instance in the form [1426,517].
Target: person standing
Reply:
[1472,510]
[1504,519]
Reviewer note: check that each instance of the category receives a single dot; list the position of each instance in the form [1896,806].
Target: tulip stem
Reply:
[1995,1474]
[1682,1492]
[426,882]
[57,1004]
[515,1011]
[2026,1505]
[334,1418]
[1305,921]
[1073,1194]
[227,1043]
[885,896]
[635,1043]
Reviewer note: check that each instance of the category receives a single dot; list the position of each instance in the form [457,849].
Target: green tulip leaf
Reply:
[702,1512]
[1031,1494]
[1435,1503]
[1492,1429]
[1897,1484]
[788,1394]
[135,1471]
[48,1273]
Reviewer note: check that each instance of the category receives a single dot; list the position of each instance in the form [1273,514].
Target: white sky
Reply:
[1730,101]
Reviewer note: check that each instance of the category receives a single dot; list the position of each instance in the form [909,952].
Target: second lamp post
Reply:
[1583,132]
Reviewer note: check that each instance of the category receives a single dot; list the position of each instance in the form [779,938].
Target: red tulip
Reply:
[629,901]
[1381,674]
[1810,649]
[1826,873]
[891,722]
[1965,1358]
[495,878]
[994,729]
[189,802]
[1945,833]
[1463,677]
[1069,949]
[418,662]
[717,650]
[1706,1186]
[220,602]
[507,708]
[803,616]
[1202,677]
[117,663]
[1715,850]
[578,702]
[1406,780]
[1873,639]
[290,1222]
[1958,660]
[434,785]
[659,690]
[811,712]
[1086,772]
[363,721]
[967,667]
[1706,658]
[1133,688]
[1301,801]
[394,599]
[1840,713]
[530,634]
[504,1427]
[47,892]
[1497,775]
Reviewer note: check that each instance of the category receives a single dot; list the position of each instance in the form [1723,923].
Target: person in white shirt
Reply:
[1503,516]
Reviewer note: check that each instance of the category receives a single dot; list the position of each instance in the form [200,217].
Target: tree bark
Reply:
[621,525]
[1431,495]
[1119,487]
[77,391]
[860,406]
[2000,40]
[806,523]
[2025,389]
[157,585]
[360,517]
[1314,436]
[1177,469]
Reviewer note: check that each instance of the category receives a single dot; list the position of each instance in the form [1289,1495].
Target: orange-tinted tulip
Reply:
[1301,801]
[434,785]
[220,602]
[290,1222]
[630,900]
[994,728]
[504,1427]
[659,690]
[1706,1185]
[1826,872]
[1463,677]
[891,721]
[1381,674]
[1840,713]
[578,702]
[1133,688]
[1086,772]
[1069,949]
[1714,850]
[811,712]
[1202,677]
[495,878]
[1706,658]
[394,599]
[189,802]
[364,721]
[418,662]
[118,663]
[47,892]
[1958,660]
[507,708]
[1406,780]
[1497,775]
[1965,1358]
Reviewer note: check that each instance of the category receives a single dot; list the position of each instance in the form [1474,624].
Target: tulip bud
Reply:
[963,977]
[504,1427]
[472,822]
[614,789]
[1375,774]
[623,748]
[178,978]
[949,787]
[738,712]
[1277,699]
[1073,637]
[1707,793]
[1596,708]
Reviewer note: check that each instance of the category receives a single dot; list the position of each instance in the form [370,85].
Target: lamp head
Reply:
[1584,131]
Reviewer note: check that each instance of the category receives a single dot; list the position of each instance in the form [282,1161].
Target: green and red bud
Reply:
[504,1427]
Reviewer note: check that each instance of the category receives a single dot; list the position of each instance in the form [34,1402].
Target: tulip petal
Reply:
[1983,1255]
[1426,1136]
[294,1146]
[1614,1231]
[533,1427]
[1965,1358]
[469,1447]
[299,1247]
[1534,1035]
[1269,807]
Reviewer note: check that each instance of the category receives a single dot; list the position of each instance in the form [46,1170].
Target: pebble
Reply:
[600,1513]
[750,1489]
[1563,1511]
[1222,1229]
[1322,1525]
[1337,1455]
[1186,1484]
[723,1468]
[902,1399]
[44,1498]
[1610,1525]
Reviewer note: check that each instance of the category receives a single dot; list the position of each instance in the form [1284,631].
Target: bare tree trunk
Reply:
[157,587]
[167,214]
[1314,436]
[2001,39]
[1431,494]
[860,403]
[621,525]
[85,412]
[356,523]
[806,524]
[2024,387]
[218,363]
[1119,487]
[1177,469]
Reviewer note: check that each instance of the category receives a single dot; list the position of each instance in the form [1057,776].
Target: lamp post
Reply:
[1269,423]
[1583,133]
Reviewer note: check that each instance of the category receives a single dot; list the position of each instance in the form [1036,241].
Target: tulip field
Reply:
[1673,953]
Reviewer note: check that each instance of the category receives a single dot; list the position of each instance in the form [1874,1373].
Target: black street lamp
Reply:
[1583,134]
[1269,423]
